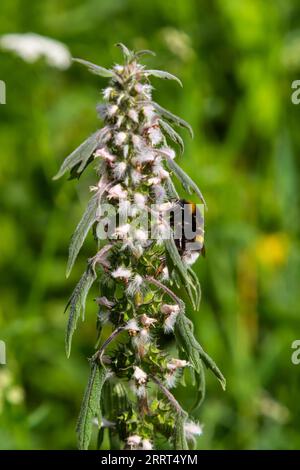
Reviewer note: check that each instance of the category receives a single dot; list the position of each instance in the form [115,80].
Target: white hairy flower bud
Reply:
[133,114]
[147,322]
[134,441]
[117,192]
[134,285]
[119,170]
[121,273]
[139,375]
[120,138]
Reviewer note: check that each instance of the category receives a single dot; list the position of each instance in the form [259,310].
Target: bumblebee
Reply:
[187,224]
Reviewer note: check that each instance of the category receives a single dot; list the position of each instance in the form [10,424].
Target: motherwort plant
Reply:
[139,267]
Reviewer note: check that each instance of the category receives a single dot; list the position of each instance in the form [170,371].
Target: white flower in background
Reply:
[163,174]
[117,192]
[175,364]
[139,375]
[125,150]
[112,110]
[191,257]
[168,309]
[119,170]
[120,138]
[134,285]
[132,327]
[122,231]
[154,180]
[119,120]
[134,441]
[141,235]
[120,98]
[31,47]
[171,379]
[168,151]
[171,311]
[137,141]
[146,444]
[106,93]
[132,113]
[155,135]
[143,89]
[140,200]
[149,113]
[136,176]
[159,192]
[101,186]
[118,68]
[165,274]
[146,321]
[124,207]
[144,156]
[105,302]
[122,273]
[144,336]
[140,391]
[192,429]
[105,154]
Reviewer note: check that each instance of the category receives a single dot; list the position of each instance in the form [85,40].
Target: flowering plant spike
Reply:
[140,263]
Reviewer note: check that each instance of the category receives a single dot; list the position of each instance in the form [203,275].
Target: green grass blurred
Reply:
[237,61]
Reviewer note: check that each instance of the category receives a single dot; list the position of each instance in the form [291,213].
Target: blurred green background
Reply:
[237,60]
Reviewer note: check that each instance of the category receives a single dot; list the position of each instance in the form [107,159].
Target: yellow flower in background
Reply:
[272,250]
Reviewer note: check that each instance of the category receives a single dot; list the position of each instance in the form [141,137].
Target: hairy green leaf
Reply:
[200,388]
[172,117]
[96,69]
[126,52]
[162,74]
[77,305]
[172,134]
[81,231]
[143,52]
[170,188]
[181,270]
[79,157]
[184,332]
[187,182]
[90,407]
[180,442]
[196,286]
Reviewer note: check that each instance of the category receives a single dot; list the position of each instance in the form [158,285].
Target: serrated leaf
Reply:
[181,269]
[186,341]
[172,134]
[162,74]
[200,388]
[187,182]
[96,69]
[184,332]
[171,190]
[180,442]
[196,284]
[76,171]
[172,117]
[90,407]
[77,305]
[88,219]
[79,157]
